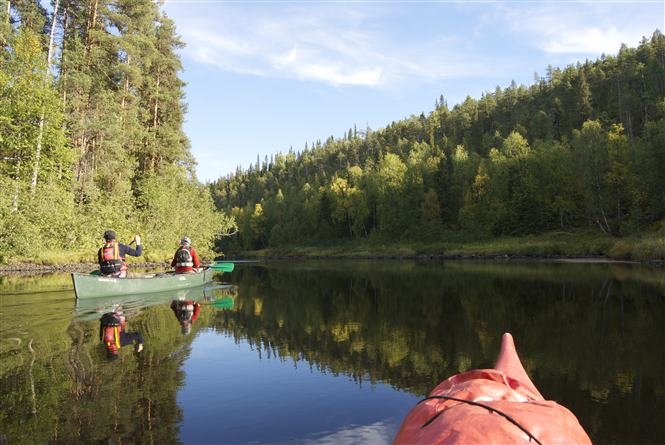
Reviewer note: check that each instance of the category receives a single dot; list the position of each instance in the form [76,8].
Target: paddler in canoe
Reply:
[186,258]
[490,406]
[111,256]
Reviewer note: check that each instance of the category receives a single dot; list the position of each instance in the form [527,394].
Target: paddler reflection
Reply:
[186,311]
[113,333]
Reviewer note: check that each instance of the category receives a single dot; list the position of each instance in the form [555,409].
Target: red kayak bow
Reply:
[490,406]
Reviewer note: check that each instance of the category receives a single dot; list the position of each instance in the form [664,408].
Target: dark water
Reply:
[330,352]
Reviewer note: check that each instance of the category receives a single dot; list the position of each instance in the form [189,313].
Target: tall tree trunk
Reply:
[17,186]
[49,55]
[40,136]
[62,74]
[156,107]
[125,89]
[92,20]
[38,153]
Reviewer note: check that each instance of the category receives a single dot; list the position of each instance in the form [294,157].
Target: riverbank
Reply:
[557,246]
[648,248]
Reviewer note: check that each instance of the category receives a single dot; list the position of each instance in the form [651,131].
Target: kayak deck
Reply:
[490,406]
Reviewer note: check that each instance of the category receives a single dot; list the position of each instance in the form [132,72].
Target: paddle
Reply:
[223,303]
[222,267]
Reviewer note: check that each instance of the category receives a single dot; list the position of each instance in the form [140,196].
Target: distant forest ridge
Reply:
[581,148]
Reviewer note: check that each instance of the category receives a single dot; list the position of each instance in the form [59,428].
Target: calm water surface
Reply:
[330,352]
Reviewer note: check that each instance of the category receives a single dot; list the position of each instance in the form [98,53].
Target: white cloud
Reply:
[581,28]
[287,59]
[336,44]
[371,44]
[587,40]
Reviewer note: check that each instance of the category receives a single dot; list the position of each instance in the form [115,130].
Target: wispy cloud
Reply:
[337,44]
[581,28]
[368,44]
[589,40]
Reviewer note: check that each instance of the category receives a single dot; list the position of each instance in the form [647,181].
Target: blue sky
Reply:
[266,76]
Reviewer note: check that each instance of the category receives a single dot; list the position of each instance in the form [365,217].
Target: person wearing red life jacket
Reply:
[111,256]
[186,311]
[186,259]
[113,334]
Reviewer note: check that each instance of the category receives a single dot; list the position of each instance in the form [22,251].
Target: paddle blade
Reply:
[222,267]
[223,303]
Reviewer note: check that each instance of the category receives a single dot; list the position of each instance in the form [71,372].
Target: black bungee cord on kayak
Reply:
[482,405]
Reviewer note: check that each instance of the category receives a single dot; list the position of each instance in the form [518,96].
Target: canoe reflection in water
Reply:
[490,406]
[186,311]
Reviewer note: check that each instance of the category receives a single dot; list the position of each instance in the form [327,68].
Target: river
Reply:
[330,351]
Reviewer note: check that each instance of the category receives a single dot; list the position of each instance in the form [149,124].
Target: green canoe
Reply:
[94,286]
[213,293]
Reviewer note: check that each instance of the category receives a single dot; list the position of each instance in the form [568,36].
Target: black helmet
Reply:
[109,235]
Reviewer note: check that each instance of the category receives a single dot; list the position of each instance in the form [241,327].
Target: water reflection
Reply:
[90,308]
[186,312]
[321,339]
[114,334]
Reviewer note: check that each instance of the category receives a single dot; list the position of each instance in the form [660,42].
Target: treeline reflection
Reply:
[590,335]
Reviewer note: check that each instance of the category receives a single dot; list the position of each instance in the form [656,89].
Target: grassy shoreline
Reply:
[647,248]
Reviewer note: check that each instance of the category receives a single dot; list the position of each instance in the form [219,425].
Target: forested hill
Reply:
[91,137]
[581,148]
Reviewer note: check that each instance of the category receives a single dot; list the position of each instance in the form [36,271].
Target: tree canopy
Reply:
[579,149]
[91,116]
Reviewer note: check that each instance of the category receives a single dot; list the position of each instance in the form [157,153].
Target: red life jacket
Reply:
[110,261]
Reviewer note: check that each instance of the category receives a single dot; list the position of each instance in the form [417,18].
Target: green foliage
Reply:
[32,143]
[577,150]
[116,157]
[37,211]
[171,207]
[431,209]
[647,158]
[349,205]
